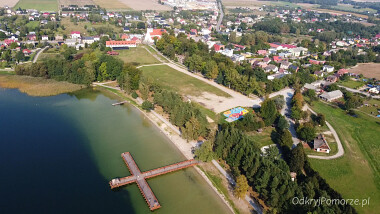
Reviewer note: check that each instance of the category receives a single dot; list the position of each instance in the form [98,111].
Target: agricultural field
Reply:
[9,3]
[137,55]
[80,3]
[369,70]
[144,5]
[112,4]
[41,5]
[172,79]
[357,173]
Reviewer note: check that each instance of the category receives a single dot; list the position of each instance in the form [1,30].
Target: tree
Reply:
[20,56]
[320,119]
[205,153]
[306,132]
[147,106]
[297,158]
[103,72]
[279,101]
[285,139]
[282,123]
[353,102]
[241,187]
[311,95]
[268,111]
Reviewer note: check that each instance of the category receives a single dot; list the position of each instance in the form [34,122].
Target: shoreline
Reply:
[181,144]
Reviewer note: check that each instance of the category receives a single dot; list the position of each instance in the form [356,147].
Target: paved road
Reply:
[360,92]
[38,54]
[288,95]
[220,17]
[340,152]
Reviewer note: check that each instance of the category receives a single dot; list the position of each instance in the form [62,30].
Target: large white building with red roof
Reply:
[153,33]
[120,44]
[75,35]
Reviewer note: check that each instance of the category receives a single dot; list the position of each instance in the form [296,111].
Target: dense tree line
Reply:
[79,69]
[186,115]
[240,77]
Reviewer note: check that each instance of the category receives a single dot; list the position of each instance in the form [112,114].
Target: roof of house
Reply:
[157,32]
[332,95]
[75,32]
[320,142]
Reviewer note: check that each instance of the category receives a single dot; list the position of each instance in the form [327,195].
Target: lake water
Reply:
[58,153]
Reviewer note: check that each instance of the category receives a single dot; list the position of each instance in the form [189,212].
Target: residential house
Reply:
[342,72]
[71,42]
[320,144]
[262,52]
[319,73]
[26,52]
[88,40]
[285,64]
[271,68]
[331,96]
[277,59]
[31,37]
[328,68]
[75,35]
[44,37]
[331,79]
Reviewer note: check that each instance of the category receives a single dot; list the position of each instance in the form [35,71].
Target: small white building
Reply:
[328,68]
[45,38]
[75,35]
[373,90]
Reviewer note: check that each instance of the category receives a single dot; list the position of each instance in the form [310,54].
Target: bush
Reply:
[135,95]
[147,106]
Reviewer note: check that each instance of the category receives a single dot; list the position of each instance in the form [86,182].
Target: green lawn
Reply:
[33,25]
[263,138]
[356,174]
[351,84]
[172,79]
[138,55]
[372,109]
[41,5]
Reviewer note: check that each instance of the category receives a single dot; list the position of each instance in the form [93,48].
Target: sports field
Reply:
[41,5]
[356,175]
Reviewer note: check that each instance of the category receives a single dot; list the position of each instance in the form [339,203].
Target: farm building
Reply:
[331,96]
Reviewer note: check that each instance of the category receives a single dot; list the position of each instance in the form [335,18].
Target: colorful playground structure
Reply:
[235,114]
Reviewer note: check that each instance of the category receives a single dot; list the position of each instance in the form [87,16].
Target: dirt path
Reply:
[340,152]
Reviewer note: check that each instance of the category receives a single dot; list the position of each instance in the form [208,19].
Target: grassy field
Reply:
[42,5]
[138,55]
[263,138]
[36,86]
[80,26]
[351,84]
[172,79]
[372,108]
[32,25]
[356,174]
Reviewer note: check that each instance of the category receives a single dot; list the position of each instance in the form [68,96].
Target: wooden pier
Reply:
[140,177]
[119,103]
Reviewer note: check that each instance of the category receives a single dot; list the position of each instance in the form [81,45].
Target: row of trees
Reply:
[79,69]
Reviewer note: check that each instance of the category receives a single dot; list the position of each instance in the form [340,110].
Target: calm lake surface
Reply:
[58,153]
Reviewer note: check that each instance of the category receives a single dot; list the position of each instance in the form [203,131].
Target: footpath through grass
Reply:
[356,175]
[41,5]
[172,79]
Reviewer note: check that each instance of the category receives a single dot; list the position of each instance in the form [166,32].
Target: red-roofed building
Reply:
[9,41]
[342,72]
[218,47]
[31,37]
[193,32]
[124,37]
[75,35]
[288,46]
[316,62]
[151,34]
[26,52]
[262,52]
[137,40]
[120,44]
[277,59]
[274,45]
